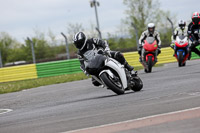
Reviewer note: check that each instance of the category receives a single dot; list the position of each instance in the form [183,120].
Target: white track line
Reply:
[143,118]
[5,111]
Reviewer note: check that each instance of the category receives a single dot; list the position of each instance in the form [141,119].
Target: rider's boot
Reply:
[189,57]
[95,83]
[126,65]
[156,60]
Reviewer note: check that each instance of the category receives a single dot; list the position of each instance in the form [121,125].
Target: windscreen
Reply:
[181,37]
[97,61]
[150,40]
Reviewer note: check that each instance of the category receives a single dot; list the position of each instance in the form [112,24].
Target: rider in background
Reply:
[194,33]
[88,47]
[150,32]
[180,30]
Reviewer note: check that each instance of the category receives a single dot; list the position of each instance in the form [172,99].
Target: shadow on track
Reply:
[94,98]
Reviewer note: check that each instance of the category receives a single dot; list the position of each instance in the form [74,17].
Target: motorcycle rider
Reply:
[180,30]
[85,46]
[194,33]
[150,32]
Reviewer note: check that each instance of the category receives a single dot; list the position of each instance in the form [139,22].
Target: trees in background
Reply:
[12,50]
[7,43]
[139,12]
[73,29]
[142,12]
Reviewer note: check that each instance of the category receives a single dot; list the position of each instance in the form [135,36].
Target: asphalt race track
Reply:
[77,105]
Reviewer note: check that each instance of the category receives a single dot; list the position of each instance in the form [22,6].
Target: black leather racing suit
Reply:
[194,36]
[96,44]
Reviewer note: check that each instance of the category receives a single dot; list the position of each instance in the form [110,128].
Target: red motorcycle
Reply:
[149,54]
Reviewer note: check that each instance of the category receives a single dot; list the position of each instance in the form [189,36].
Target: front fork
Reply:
[130,76]
[144,55]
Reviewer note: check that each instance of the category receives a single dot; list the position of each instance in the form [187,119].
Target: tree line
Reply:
[138,12]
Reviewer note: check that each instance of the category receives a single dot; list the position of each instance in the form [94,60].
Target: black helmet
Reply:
[151,28]
[80,40]
[181,24]
[196,18]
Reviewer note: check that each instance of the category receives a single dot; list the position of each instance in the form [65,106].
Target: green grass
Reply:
[33,83]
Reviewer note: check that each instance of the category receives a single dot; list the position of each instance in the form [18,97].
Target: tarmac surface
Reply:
[79,105]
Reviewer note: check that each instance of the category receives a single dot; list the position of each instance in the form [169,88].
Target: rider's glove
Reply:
[172,45]
[140,47]
[195,43]
[107,52]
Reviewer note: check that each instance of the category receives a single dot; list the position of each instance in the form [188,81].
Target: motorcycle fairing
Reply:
[150,46]
[148,56]
[177,53]
[181,41]
[185,55]
[115,65]
[95,64]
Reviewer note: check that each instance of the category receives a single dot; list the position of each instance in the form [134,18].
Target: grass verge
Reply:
[33,83]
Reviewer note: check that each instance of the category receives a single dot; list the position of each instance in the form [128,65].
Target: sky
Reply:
[21,18]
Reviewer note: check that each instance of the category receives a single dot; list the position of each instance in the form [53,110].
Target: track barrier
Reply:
[56,68]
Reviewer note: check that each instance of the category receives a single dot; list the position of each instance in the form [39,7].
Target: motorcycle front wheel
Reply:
[111,84]
[180,58]
[150,64]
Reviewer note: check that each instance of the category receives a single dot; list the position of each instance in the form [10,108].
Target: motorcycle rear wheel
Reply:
[138,84]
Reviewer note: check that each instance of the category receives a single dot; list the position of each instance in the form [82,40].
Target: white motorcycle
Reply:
[109,73]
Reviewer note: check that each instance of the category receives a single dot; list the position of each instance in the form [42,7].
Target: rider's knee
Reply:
[119,57]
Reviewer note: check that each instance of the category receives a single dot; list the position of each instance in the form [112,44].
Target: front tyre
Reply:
[180,58]
[150,64]
[111,85]
[184,64]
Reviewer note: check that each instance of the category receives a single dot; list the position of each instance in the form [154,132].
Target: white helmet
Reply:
[181,24]
[151,28]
